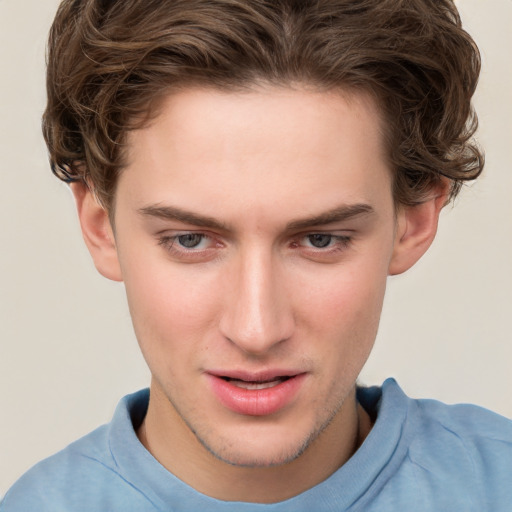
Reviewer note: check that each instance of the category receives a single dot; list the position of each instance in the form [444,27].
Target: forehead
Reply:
[233,151]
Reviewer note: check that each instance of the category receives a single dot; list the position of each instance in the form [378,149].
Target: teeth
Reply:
[256,385]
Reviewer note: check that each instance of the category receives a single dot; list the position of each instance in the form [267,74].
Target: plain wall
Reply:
[67,348]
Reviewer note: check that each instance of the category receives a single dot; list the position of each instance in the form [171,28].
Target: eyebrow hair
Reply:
[339,214]
[180,215]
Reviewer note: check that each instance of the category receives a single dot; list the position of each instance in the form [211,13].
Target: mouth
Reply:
[255,394]
[255,384]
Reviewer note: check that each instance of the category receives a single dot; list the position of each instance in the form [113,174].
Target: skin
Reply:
[284,198]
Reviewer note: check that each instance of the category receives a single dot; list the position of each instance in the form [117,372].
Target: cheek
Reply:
[342,311]
[347,293]
[170,307]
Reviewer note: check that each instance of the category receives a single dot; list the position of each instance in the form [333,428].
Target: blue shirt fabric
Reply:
[421,455]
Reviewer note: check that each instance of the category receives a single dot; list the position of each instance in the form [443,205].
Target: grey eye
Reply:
[319,240]
[190,240]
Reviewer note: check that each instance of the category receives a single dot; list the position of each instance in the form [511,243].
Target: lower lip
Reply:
[256,402]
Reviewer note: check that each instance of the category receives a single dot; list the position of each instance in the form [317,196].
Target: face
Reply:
[254,233]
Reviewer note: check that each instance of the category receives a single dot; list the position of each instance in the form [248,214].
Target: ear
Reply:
[97,232]
[416,230]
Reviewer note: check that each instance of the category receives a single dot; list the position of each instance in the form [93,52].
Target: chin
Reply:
[258,459]
[254,454]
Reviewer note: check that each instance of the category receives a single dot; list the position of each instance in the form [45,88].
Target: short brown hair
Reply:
[109,59]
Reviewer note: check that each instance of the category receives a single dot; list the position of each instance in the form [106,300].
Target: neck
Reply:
[176,447]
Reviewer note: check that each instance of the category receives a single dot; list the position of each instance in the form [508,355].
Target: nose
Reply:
[258,312]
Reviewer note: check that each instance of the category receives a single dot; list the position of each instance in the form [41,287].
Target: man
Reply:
[253,172]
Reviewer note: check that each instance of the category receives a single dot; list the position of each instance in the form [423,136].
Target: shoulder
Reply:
[51,483]
[478,431]
[466,448]
[470,420]
[469,423]
[437,430]
[64,481]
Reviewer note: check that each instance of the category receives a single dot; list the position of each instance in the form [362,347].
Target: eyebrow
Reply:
[180,215]
[339,214]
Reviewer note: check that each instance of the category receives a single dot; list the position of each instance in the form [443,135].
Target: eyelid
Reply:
[167,240]
[340,243]
[338,238]
[183,247]
[335,233]
[166,237]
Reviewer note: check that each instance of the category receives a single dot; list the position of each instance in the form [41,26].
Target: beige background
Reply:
[67,351]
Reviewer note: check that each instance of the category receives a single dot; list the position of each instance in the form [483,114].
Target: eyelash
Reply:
[341,243]
[168,242]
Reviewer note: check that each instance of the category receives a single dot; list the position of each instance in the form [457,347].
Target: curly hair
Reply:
[109,61]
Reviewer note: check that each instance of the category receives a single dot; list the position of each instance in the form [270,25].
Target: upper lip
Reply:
[259,376]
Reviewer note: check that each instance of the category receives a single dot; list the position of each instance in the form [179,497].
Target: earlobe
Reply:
[97,232]
[416,230]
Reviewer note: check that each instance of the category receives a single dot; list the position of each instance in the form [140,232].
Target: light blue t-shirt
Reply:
[421,455]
